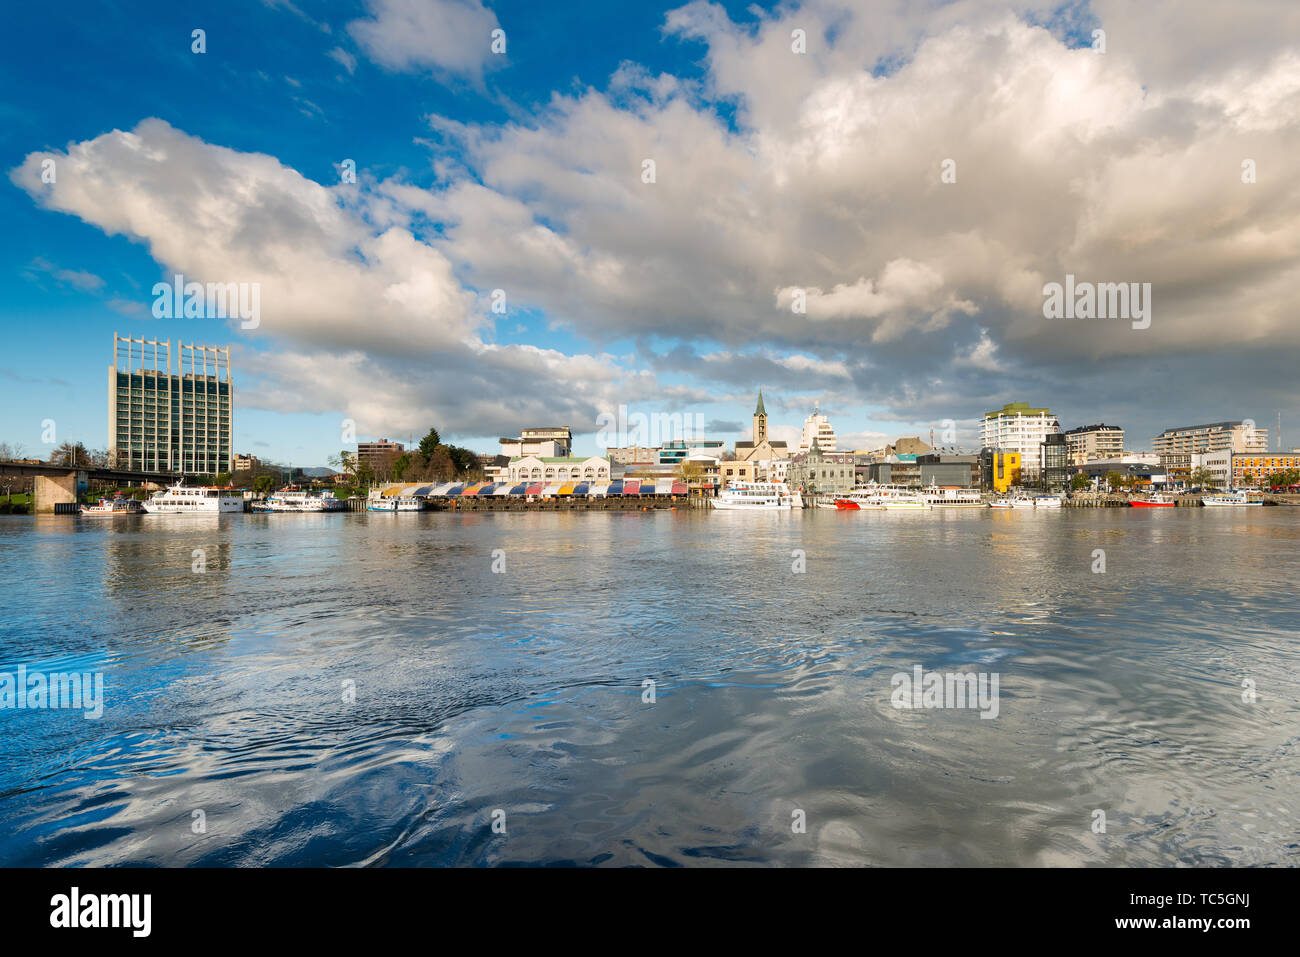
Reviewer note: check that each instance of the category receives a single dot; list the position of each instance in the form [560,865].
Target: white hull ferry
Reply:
[1228,500]
[182,500]
[378,504]
[950,497]
[757,497]
[1047,501]
[294,499]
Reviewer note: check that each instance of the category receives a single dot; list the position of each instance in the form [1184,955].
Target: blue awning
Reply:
[615,487]
[581,488]
[454,490]
[520,489]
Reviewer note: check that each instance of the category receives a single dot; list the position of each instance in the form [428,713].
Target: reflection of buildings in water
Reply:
[145,555]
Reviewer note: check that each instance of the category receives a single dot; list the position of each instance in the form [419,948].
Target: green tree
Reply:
[401,465]
[1114,480]
[430,443]
[1080,482]
[1201,476]
[264,482]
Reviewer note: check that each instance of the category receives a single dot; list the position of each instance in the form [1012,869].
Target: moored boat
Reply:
[117,505]
[1228,500]
[1012,501]
[292,498]
[393,504]
[182,499]
[906,503]
[953,497]
[1155,500]
[756,497]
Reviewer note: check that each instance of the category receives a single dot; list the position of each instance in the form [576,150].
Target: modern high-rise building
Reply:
[1089,442]
[165,420]
[1018,428]
[1240,436]
[817,427]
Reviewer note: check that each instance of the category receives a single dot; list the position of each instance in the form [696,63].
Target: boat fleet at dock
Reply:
[769,496]
[738,496]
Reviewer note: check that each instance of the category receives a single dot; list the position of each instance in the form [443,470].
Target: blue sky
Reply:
[776,171]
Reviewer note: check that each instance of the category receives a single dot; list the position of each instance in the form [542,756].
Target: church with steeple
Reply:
[762,449]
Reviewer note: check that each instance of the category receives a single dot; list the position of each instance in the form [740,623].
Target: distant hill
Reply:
[318,472]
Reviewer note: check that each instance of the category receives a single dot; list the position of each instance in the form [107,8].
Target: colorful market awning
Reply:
[566,489]
[599,490]
[535,488]
[520,489]
[631,486]
[679,488]
[442,489]
[664,486]
[454,490]
[552,489]
[582,488]
[615,487]
[502,488]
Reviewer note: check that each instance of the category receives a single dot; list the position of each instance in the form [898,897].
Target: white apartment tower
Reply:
[1018,428]
[818,427]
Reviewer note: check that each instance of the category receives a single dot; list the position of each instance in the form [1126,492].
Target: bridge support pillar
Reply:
[49,490]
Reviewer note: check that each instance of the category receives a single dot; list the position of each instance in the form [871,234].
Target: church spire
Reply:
[760,410]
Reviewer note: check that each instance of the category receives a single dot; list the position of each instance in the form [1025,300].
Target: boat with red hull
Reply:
[1153,501]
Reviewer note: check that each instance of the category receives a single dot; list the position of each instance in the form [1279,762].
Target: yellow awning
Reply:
[566,489]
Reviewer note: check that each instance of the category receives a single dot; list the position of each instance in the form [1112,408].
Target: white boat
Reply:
[117,505]
[906,503]
[393,504]
[866,497]
[1228,500]
[184,499]
[881,497]
[1047,501]
[952,497]
[294,499]
[756,497]
[1013,501]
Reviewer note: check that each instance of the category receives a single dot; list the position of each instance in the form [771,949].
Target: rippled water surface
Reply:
[523,691]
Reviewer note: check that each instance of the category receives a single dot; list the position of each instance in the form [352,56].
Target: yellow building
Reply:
[1258,467]
[1006,470]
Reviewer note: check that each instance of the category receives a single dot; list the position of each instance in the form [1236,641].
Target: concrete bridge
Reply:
[60,485]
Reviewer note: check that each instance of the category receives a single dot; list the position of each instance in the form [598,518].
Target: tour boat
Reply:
[117,505]
[1047,501]
[1156,500]
[1227,500]
[756,497]
[393,504]
[952,497]
[183,499]
[291,498]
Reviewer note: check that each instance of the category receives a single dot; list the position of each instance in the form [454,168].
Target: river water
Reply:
[660,688]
